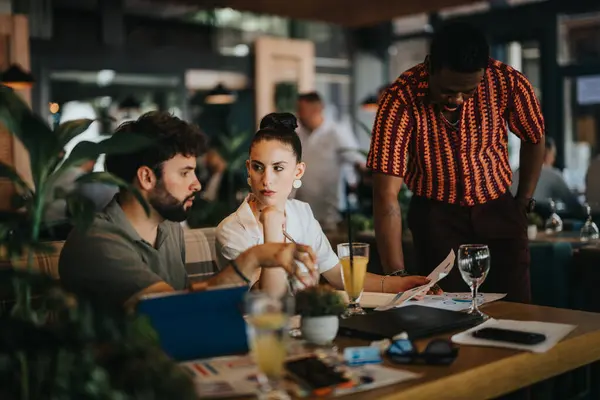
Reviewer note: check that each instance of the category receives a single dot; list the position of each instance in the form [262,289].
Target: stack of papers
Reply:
[439,273]
[236,376]
[456,301]
[223,376]
[448,301]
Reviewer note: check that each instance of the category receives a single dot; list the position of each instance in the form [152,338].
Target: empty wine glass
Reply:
[474,265]
[554,223]
[589,230]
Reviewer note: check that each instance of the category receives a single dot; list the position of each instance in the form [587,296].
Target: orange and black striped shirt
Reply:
[466,165]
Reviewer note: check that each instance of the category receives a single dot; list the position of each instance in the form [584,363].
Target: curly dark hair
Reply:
[173,136]
[459,47]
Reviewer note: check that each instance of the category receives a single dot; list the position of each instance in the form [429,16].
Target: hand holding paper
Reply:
[439,273]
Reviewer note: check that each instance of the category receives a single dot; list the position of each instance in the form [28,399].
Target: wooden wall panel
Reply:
[14,35]
[279,60]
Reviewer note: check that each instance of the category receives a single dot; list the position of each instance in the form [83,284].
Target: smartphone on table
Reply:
[508,335]
[313,374]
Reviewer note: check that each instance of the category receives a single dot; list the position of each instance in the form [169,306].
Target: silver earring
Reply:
[297,184]
[249,182]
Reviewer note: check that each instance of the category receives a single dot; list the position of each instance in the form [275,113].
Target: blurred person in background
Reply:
[551,185]
[220,196]
[328,148]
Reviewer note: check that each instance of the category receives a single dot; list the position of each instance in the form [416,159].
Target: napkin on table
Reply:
[554,334]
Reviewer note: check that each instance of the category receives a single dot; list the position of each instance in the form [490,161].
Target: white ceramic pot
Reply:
[532,232]
[319,330]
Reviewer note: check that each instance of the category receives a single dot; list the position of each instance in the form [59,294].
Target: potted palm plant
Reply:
[320,308]
[80,352]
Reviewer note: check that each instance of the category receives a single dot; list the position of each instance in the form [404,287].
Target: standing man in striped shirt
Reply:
[442,129]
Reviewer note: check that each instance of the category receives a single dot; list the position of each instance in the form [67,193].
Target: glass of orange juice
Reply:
[354,258]
[268,332]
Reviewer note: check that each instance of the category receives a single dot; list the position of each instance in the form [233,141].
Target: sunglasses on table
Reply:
[437,352]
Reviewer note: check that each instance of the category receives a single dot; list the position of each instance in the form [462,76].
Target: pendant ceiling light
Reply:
[369,104]
[220,95]
[16,78]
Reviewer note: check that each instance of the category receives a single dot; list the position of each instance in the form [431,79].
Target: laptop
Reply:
[204,324]
[417,321]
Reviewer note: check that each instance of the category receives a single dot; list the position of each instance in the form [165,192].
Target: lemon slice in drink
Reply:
[269,320]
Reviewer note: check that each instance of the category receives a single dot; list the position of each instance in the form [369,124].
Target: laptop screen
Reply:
[192,325]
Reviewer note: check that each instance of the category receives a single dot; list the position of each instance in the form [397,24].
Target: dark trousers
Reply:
[501,224]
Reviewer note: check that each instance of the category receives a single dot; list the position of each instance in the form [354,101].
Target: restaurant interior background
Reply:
[225,66]
[113,60]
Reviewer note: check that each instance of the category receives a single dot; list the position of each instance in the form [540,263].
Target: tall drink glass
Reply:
[268,332]
[354,258]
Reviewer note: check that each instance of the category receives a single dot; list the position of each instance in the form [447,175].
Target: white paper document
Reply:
[223,376]
[439,273]
[456,301]
[554,334]
[370,299]
[234,376]
[447,301]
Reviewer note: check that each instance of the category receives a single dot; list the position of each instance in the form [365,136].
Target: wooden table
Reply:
[567,237]
[485,372]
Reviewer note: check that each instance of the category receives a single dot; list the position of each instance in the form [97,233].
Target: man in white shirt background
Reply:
[551,185]
[332,157]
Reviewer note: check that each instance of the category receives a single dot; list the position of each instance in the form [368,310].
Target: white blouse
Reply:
[240,231]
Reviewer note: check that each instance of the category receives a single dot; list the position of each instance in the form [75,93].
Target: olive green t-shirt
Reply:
[110,262]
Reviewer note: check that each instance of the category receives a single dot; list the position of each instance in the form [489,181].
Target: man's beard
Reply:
[167,206]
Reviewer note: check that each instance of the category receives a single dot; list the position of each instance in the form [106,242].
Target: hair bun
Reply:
[278,121]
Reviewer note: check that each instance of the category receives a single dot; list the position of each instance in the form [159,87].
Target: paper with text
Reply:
[439,273]
[456,301]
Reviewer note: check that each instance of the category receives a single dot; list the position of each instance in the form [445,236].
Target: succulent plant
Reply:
[319,301]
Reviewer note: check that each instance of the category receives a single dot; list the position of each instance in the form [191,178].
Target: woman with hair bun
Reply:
[275,167]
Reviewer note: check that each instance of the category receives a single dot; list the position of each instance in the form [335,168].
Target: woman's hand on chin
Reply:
[272,214]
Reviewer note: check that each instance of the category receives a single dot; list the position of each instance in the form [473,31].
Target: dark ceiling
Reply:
[350,13]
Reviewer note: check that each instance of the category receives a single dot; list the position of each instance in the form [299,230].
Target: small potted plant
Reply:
[320,307]
[534,222]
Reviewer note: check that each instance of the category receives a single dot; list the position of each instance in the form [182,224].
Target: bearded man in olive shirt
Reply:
[127,254]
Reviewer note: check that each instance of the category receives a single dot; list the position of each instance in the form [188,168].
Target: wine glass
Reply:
[474,265]
[589,230]
[554,223]
[268,332]
[354,258]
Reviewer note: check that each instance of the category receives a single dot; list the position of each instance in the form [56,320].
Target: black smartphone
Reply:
[507,335]
[314,374]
